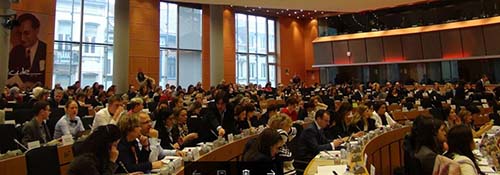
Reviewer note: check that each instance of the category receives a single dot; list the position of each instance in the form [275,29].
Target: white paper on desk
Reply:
[486,169]
[33,144]
[339,169]
[67,139]
[482,162]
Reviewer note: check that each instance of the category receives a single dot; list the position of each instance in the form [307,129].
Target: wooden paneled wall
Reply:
[456,43]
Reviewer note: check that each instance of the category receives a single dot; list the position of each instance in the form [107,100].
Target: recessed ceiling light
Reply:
[277,12]
[311,17]
[231,5]
[326,17]
[301,10]
[289,14]
[260,7]
[302,15]
[286,9]
[298,17]
[295,12]
[315,11]
[253,9]
[322,12]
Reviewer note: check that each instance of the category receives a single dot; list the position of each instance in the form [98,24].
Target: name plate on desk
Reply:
[420,108]
[11,102]
[484,101]
[33,144]
[10,122]
[417,102]
[67,139]
[486,105]
[8,109]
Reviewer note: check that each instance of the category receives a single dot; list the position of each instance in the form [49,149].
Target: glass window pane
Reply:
[189,68]
[272,75]
[271,36]
[189,28]
[168,67]
[252,34]
[95,20]
[241,69]
[68,15]
[271,59]
[261,35]
[252,69]
[262,70]
[96,66]
[241,33]
[168,25]
[66,61]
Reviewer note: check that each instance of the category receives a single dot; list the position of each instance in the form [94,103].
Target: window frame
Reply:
[247,53]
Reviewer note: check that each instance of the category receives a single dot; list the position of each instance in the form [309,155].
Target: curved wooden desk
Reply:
[385,152]
[228,152]
[17,165]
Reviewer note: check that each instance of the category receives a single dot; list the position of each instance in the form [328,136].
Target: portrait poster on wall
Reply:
[28,50]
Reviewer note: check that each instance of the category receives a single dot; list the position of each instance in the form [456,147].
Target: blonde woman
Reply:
[361,121]
[283,124]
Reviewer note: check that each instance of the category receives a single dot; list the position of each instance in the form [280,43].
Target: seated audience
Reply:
[361,121]
[291,108]
[36,129]
[69,124]
[264,150]
[430,141]
[133,157]
[98,153]
[283,124]
[312,139]
[110,114]
[381,116]
[460,146]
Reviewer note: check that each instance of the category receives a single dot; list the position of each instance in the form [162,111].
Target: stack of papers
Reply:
[339,169]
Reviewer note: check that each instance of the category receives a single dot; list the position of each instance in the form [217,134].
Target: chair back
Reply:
[43,161]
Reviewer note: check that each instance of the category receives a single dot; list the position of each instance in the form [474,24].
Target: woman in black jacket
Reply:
[263,151]
[98,153]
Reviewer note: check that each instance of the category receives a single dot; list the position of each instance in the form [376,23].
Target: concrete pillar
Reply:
[121,45]
[216,45]
[4,44]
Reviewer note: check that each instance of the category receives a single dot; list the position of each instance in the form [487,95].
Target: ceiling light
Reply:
[260,7]
[322,12]
[302,15]
[267,11]
[301,10]
[277,12]
[231,5]
[326,17]
[298,17]
[253,9]
[286,9]
[315,11]
[311,17]
[289,14]
[295,12]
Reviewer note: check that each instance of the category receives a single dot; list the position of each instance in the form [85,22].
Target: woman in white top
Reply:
[381,116]
[460,146]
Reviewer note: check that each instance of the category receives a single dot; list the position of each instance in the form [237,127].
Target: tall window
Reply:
[255,50]
[83,48]
[180,45]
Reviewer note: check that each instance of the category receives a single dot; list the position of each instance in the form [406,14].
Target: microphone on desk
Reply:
[19,143]
[123,166]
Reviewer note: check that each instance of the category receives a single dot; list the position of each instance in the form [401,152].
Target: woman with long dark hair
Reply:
[430,137]
[460,146]
[98,153]
[264,150]
[339,125]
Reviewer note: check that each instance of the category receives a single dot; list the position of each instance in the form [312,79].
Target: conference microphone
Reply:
[19,143]
[123,166]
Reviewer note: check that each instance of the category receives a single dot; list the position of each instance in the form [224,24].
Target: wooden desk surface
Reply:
[227,152]
[385,140]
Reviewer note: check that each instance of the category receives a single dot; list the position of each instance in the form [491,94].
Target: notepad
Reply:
[339,169]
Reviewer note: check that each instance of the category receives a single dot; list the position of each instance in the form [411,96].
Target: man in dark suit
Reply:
[37,129]
[220,116]
[28,58]
[480,84]
[312,140]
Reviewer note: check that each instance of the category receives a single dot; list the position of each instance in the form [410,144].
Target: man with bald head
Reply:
[28,58]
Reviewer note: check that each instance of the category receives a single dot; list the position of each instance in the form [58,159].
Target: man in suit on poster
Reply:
[27,60]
